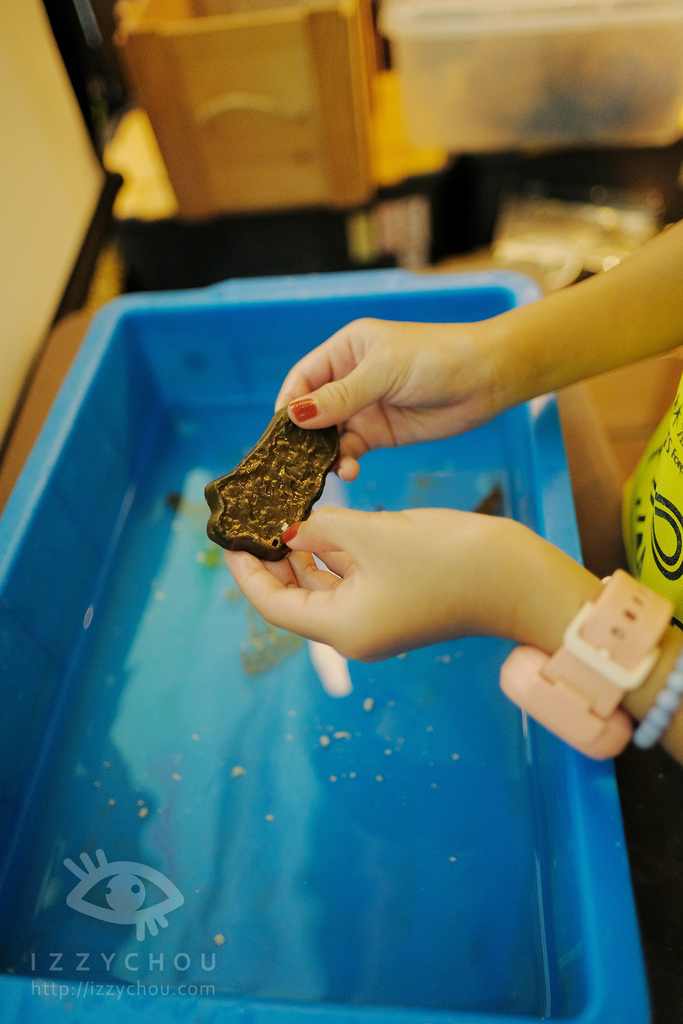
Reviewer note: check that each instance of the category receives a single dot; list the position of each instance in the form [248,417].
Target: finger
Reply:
[352,445]
[338,562]
[351,448]
[304,567]
[243,566]
[295,384]
[336,530]
[347,469]
[308,575]
[338,400]
[335,358]
[315,369]
[290,607]
[282,571]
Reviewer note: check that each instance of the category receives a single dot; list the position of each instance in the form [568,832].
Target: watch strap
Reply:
[617,636]
[563,710]
[609,647]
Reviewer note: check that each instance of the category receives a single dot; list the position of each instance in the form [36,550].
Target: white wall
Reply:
[50,181]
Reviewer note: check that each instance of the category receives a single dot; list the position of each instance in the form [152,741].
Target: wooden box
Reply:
[256,108]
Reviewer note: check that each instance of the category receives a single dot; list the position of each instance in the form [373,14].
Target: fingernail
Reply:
[290,533]
[304,409]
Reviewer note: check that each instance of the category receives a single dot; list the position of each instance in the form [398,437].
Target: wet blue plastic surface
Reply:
[432,861]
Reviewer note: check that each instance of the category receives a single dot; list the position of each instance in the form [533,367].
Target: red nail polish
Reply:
[304,409]
[290,533]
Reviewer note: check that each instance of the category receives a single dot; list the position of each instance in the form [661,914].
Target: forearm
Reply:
[402,580]
[629,313]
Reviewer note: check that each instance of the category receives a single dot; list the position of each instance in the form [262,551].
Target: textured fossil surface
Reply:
[275,485]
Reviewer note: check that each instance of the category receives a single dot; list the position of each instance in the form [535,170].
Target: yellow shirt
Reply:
[653,511]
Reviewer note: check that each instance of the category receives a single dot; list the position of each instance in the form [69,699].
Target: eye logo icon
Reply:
[125,893]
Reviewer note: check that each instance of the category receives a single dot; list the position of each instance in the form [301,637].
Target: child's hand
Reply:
[388,383]
[401,580]
[384,593]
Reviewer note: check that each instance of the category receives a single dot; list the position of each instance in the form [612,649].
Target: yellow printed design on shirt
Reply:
[653,511]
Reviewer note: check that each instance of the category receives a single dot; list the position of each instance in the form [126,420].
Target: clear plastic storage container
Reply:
[482,75]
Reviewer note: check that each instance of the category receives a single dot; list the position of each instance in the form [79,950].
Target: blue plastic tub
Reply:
[195,825]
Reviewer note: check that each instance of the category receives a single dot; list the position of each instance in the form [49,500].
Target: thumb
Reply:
[333,529]
[338,400]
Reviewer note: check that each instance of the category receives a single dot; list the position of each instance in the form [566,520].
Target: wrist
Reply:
[539,588]
[524,361]
[507,369]
[639,701]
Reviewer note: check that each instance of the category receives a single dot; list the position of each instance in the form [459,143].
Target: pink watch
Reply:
[610,647]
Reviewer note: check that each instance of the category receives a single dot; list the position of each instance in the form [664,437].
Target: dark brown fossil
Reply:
[275,485]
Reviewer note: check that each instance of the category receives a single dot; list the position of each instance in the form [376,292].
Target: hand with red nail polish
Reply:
[388,383]
[399,580]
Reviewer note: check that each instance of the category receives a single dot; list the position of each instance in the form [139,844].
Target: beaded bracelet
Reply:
[660,714]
